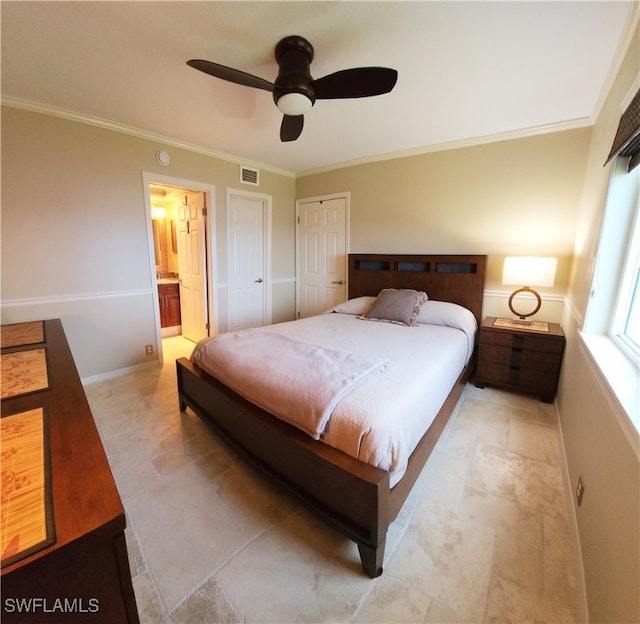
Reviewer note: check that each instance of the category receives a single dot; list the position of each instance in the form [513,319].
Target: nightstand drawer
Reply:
[535,381]
[519,358]
[495,353]
[545,345]
[536,360]
[495,338]
[529,379]
[529,343]
[493,371]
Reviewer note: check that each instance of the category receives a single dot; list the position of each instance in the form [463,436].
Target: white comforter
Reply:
[382,420]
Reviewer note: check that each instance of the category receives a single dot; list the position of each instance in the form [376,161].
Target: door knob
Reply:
[338,282]
[258,281]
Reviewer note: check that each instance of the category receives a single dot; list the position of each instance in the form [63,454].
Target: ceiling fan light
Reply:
[294,104]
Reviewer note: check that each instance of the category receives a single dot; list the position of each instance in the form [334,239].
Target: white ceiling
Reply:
[466,70]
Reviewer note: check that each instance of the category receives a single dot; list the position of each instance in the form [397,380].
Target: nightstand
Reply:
[520,359]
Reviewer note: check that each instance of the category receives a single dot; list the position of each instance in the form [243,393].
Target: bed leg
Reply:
[181,403]
[372,558]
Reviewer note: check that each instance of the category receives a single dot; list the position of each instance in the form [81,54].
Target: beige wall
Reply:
[596,447]
[74,233]
[517,197]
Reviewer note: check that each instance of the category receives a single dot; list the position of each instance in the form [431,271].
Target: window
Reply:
[615,306]
[625,327]
[612,324]
[611,332]
[625,324]
[613,289]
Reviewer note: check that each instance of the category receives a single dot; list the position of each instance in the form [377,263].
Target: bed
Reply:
[358,498]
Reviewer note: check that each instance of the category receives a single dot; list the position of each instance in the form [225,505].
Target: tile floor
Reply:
[483,537]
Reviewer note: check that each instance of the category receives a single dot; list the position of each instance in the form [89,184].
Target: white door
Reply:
[322,253]
[192,270]
[248,218]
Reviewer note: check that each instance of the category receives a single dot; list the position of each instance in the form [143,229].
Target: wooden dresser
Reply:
[83,574]
[520,359]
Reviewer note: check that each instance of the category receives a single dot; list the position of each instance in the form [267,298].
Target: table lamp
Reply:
[528,271]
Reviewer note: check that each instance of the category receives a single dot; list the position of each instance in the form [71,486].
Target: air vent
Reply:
[249,176]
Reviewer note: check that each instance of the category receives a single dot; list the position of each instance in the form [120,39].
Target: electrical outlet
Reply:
[579,491]
[148,350]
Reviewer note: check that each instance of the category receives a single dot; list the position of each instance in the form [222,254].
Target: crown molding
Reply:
[99,122]
[582,122]
[628,32]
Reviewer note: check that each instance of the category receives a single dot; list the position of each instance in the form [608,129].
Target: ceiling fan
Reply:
[295,91]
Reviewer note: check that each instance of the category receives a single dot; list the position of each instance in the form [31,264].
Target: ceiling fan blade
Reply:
[355,83]
[230,74]
[291,127]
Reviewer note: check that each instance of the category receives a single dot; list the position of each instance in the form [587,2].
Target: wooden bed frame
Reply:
[352,496]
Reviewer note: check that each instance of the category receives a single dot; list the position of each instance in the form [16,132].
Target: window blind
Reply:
[627,140]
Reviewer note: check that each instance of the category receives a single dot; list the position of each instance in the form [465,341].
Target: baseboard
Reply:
[581,586]
[87,381]
[170,332]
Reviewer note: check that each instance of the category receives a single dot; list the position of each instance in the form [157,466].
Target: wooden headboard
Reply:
[459,279]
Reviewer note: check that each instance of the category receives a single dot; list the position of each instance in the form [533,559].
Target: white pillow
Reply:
[357,306]
[450,315]
[446,313]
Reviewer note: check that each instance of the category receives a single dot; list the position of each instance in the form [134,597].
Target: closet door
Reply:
[248,220]
[321,253]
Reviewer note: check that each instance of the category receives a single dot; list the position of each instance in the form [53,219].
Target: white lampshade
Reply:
[529,271]
[294,104]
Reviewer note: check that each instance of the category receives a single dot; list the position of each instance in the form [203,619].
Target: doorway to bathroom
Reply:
[180,221]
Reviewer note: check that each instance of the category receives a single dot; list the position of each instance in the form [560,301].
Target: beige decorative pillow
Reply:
[400,306]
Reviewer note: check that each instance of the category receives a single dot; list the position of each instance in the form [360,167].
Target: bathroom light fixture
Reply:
[158,212]
[530,271]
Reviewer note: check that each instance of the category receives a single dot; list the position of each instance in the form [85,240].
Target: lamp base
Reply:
[521,321]
[525,289]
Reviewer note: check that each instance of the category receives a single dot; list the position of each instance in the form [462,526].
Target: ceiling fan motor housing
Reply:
[294,55]
[295,91]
